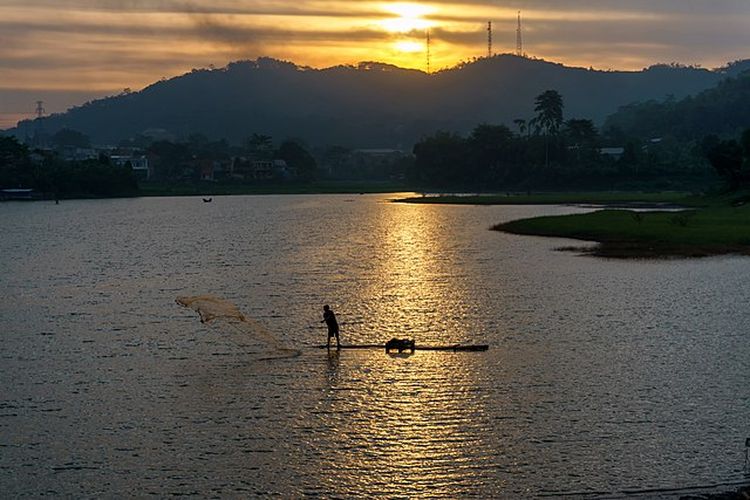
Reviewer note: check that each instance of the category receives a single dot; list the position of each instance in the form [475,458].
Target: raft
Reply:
[451,348]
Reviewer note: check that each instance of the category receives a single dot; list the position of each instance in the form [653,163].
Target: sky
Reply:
[66,52]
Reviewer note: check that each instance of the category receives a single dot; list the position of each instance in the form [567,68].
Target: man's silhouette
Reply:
[333,326]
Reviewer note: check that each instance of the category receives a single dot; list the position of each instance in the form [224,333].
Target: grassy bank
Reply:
[604,198]
[716,229]
[218,189]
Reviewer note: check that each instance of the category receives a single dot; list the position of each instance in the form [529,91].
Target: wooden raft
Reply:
[451,348]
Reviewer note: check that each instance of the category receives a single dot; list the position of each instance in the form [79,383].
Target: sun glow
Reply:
[408,46]
[410,10]
[410,17]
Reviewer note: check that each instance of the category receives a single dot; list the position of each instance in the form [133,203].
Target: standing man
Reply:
[333,326]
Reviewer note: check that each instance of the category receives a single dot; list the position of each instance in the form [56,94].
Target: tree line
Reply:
[53,177]
[174,158]
[730,158]
[550,151]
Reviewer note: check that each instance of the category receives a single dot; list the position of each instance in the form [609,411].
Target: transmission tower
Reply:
[428,51]
[519,37]
[489,38]
[38,139]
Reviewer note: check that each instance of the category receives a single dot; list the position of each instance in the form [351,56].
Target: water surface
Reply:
[603,376]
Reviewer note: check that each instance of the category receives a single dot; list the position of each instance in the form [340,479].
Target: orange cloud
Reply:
[102,46]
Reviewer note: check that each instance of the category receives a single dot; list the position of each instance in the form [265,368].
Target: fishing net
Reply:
[214,310]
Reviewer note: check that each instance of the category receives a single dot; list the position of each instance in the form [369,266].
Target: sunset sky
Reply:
[68,51]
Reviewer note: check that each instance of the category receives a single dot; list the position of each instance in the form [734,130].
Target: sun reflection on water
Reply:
[405,425]
[414,292]
[401,425]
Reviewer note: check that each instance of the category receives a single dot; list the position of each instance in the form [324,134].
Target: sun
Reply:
[407,17]
[408,46]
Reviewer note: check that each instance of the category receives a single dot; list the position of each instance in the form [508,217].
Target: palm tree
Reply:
[260,146]
[521,124]
[549,109]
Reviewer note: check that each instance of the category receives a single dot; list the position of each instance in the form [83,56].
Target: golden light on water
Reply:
[421,414]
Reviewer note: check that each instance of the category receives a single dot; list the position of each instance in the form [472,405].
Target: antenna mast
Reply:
[40,109]
[489,38]
[428,51]
[38,139]
[519,37]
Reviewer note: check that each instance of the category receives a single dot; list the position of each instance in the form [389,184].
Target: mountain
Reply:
[369,105]
[721,110]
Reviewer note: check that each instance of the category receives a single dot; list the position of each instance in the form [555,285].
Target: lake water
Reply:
[604,377]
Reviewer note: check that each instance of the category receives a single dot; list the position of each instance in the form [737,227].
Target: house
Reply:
[283,170]
[364,163]
[248,169]
[139,164]
[615,153]
[72,153]
[262,169]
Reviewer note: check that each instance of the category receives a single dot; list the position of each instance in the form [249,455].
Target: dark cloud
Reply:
[272,8]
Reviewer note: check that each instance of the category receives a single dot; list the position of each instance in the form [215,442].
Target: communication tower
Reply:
[40,109]
[39,136]
[428,51]
[519,37]
[489,38]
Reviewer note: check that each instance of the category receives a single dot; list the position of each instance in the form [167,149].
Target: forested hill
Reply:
[723,110]
[370,105]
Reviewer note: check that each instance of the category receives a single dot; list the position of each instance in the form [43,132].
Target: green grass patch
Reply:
[623,233]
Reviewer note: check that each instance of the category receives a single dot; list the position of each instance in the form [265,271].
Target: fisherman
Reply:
[333,326]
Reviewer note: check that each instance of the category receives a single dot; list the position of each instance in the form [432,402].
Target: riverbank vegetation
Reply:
[672,145]
[52,177]
[686,145]
[625,198]
[716,224]
[628,234]
[224,188]
[720,226]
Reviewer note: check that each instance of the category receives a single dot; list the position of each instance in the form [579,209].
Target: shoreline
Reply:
[154,190]
[320,187]
[625,234]
[630,225]
[633,199]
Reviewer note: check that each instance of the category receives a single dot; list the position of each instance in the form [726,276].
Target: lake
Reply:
[603,377]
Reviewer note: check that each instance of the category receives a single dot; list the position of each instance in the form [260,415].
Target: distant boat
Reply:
[19,194]
[207,200]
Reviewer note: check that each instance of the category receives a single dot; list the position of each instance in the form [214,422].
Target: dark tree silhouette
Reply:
[726,158]
[260,147]
[582,137]
[299,159]
[522,125]
[71,138]
[549,109]
[15,168]
[549,118]
[491,146]
[441,159]
[745,142]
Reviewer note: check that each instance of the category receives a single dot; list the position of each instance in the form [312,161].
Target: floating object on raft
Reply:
[417,347]
[399,344]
